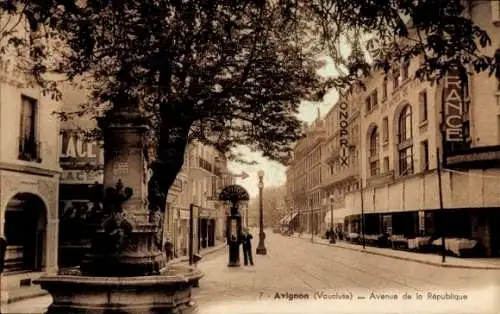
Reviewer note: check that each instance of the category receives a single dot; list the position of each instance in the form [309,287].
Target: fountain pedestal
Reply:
[125,272]
[169,292]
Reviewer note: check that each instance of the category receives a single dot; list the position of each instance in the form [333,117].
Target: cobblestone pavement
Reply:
[297,266]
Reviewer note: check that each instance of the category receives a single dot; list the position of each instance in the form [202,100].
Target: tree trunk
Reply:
[173,140]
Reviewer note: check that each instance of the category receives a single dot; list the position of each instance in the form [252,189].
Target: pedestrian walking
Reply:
[169,250]
[247,247]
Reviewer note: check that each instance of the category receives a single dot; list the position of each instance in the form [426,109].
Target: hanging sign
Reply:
[344,133]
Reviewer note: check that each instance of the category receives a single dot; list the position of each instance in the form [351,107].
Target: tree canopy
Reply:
[231,73]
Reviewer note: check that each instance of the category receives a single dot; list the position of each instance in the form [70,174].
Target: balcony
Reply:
[349,173]
[380,179]
[29,149]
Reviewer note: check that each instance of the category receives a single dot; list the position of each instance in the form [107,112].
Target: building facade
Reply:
[203,175]
[414,125]
[305,171]
[397,129]
[341,157]
[29,177]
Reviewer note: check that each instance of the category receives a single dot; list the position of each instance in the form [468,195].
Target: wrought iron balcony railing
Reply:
[29,149]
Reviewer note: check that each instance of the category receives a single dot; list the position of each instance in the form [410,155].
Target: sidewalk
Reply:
[203,252]
[430,259]
[28,301]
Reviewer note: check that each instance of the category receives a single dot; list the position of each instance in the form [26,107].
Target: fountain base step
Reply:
[169,292]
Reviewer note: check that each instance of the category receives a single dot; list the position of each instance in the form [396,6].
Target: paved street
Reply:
[297,266]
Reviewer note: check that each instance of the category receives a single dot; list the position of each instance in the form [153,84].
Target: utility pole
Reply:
[362,216]
[191,233]
[441,209]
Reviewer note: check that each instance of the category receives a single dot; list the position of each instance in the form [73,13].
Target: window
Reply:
[495,12]
[406,161]
[368,104]
[374,161]
[423,105]
[374,143]
[386,164]
[374,98]
[406,71]
[29,148]
[424,153]
[371,101]
[404,125]
[384,89]
[385,129]
[374,168]
[405,145]
[395,78]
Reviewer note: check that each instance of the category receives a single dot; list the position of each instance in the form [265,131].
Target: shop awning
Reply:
[282,220]
[291,217]
[339,215]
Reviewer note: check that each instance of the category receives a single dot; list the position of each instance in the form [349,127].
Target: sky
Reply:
[274,173]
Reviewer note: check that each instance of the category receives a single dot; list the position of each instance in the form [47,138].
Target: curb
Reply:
[203,254]
[407,258]
[27,297]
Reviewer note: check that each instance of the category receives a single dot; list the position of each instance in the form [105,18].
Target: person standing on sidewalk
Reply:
[247,247]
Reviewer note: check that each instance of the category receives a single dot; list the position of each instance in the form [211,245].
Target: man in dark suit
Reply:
[247,247]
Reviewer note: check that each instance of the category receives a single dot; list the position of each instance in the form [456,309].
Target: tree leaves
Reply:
[230,73]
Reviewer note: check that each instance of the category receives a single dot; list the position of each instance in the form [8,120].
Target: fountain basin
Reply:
[169,292]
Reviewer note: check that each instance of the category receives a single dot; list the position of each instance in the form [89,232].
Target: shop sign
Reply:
[81,177]
[471,157]
[204,213]
[344,134]
[76,151]
[453,109]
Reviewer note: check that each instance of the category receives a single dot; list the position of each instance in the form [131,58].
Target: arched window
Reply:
[374,158]
[405,143]
[404,124]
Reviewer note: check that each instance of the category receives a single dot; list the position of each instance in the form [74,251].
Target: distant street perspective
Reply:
[296,267]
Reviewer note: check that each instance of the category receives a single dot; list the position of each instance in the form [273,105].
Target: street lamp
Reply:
[332,229]
[261,249]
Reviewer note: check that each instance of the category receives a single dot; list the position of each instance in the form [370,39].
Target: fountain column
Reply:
[129,243]
[125,271]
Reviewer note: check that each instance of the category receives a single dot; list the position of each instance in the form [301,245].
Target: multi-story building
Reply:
[82,162]
[306,173]
[408,127]
[29,177]
[340,158]
[203,175]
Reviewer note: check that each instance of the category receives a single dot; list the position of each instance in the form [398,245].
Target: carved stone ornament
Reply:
[156,218]
[117,225]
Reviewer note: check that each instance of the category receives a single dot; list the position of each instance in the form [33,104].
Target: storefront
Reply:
[207,226]
[182,232]
[82,164]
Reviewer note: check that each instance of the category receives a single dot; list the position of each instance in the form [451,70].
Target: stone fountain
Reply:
[125,271]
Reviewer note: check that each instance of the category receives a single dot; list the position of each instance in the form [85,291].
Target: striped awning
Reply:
[291,217]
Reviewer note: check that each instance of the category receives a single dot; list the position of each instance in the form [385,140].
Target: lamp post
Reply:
[261,249]
[332,228]
[311,218]
[246,215]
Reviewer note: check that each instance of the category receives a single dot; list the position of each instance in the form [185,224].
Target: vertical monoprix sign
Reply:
[344,133]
